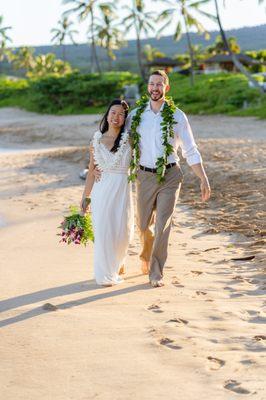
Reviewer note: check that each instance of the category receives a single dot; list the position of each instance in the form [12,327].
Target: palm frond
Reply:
[178,31]
[208,15]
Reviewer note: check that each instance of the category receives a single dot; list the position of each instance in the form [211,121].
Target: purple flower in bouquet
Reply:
[76,228]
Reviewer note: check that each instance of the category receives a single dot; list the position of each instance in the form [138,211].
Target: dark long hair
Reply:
[104,123]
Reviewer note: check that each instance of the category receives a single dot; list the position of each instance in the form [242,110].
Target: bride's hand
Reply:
[85,205]
[97,174]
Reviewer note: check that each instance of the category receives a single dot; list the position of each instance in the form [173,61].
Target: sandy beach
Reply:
[63,337]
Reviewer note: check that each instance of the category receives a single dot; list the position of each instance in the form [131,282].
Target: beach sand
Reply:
[203,333]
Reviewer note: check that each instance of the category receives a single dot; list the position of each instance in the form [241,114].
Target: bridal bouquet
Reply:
[76,228]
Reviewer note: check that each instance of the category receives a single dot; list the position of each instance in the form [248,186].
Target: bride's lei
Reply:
[167,126]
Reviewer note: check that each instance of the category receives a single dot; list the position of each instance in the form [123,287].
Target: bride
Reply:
[111,197]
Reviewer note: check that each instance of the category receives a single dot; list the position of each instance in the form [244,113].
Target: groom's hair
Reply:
[162,73]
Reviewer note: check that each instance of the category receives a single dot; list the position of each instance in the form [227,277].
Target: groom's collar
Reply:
[148,107]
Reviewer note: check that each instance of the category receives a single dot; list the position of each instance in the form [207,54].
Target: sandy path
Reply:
[204,332]
[23,127]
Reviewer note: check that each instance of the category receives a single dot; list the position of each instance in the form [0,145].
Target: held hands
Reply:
[205,189]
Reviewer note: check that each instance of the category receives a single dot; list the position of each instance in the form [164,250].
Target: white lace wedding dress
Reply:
[112,210]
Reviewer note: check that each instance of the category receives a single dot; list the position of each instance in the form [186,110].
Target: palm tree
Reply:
[48,64]
[142,22]
[150,53]
[110,37]
[227,48]
[4,38]
[62,32]
[183,12]
[86,9]
[218,46]
[23,58]
[39,65]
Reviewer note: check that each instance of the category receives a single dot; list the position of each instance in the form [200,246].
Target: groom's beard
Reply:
[156,96]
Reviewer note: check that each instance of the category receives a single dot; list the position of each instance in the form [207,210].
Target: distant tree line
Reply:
[107,29]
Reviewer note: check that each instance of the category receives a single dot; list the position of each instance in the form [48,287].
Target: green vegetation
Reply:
[218,93]
[70,94]
[38,66]
[223,93]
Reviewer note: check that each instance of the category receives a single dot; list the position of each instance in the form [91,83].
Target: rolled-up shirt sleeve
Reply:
[185,135]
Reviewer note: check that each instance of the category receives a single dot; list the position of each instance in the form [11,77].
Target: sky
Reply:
[32,20]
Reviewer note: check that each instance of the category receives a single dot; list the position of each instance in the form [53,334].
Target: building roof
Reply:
[223,58]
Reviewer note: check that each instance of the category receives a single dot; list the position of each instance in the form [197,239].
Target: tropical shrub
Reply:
[74,92]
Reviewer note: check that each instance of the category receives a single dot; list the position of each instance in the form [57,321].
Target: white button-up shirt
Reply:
[151,146]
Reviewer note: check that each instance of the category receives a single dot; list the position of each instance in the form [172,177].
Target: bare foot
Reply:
[157,283]
[145,267]
[122,270]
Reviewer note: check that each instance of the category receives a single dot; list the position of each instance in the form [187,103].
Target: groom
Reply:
[155,167]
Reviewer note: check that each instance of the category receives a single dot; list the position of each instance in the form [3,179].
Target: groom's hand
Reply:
[97,174]
[205,189]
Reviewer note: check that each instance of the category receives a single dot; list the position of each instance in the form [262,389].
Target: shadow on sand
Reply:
[46,294]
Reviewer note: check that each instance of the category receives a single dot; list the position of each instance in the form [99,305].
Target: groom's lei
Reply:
[167,126]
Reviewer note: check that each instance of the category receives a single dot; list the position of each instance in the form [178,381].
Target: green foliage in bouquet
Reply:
[76,228]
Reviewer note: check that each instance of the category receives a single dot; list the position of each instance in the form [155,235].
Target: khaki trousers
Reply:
[155,204]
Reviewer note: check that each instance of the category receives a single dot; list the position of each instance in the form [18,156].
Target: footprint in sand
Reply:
[197,272]
[169,343]
[247,362]
[215,363]
[233,295]
[176,282]
[200,292]
[234,386]
[259,337]
[155,308]
[178,321]
[239,278]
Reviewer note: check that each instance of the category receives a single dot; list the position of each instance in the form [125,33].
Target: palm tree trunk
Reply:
[64,52]
[93,45]
[236,62]
[109,52]
[139,56]
[96,56]
[191,54]
[141,70]
[91,59]
[109,63]
[1,60]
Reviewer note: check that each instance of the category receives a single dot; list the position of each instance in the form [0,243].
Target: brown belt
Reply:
[154,170]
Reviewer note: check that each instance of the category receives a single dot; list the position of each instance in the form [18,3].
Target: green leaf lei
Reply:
[167,126]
